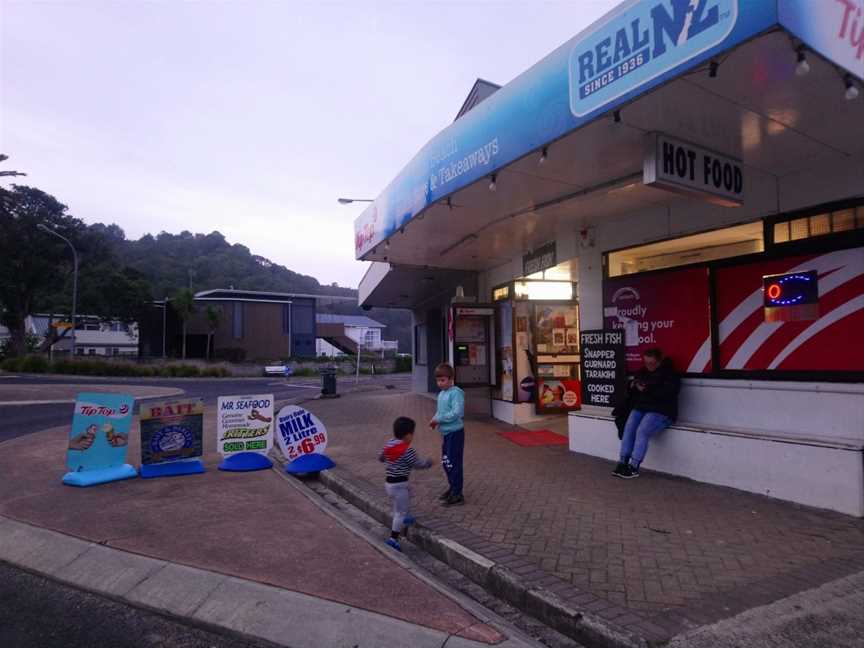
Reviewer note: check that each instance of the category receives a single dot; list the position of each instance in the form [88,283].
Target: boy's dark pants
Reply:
[451,457]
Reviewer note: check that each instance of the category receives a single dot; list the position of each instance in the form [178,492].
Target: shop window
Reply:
[238,321]
[844,220]
[544,290]
[500,294]
[698,248]
[797,229]
[420,344]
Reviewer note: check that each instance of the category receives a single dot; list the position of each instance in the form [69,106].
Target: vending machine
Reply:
[471,345]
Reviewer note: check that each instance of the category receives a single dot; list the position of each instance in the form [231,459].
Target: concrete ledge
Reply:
[226,605]
[498,579]
[814,475]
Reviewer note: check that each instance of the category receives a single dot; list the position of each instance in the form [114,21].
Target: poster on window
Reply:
[558,395]
[551,323]
[525,386]
[504,352]
[669,310]
[831,341]
[470,329]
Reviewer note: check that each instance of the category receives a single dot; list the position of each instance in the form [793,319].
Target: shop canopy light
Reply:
[544,290]
[803,67]
[851,90]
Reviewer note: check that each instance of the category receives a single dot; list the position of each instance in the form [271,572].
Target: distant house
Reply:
[252,325]
[93,336]
[340,334]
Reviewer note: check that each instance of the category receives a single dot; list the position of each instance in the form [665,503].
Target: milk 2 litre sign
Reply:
[244,431]
[642,42]
[299,433]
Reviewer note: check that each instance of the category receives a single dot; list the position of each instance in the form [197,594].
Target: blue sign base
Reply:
[245,462]
[309,463]
[100,476]
[172,469]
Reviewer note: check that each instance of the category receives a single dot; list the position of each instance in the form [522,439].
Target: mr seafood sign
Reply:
[641,43]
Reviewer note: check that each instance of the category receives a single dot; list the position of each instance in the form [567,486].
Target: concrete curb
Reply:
[498,579]
[211,601]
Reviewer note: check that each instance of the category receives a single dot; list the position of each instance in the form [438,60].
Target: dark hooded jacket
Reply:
[661,392]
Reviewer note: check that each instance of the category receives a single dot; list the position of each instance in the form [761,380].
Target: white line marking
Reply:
[36,402]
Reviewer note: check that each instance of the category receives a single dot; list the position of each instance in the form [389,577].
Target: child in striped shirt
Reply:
[401,459]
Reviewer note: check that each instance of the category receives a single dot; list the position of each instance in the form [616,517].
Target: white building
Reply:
[93,337]
[673,172]
[355,329]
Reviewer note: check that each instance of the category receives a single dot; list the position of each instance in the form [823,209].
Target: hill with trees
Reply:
[119,276]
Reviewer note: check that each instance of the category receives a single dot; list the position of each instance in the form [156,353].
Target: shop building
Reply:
[245,325]
[689,174]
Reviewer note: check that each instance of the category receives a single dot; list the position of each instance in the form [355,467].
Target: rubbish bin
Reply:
[328,382]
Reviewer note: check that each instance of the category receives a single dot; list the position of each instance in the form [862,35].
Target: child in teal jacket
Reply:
[449,421]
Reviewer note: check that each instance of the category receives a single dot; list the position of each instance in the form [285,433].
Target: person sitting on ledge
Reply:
[654,398]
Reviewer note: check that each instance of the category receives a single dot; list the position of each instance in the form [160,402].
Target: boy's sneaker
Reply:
[443,497]
[454,500]
[630,472]
[394,544]
[409,520]
[619,469]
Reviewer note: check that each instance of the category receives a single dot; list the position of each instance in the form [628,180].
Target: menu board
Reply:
[603,367]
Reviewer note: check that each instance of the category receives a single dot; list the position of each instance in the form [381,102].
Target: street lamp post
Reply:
[164,327]
[48,230]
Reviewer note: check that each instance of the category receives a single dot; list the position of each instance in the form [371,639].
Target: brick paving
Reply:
[656,555]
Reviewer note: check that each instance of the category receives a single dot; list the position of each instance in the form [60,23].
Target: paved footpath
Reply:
[654,558]
[249,552]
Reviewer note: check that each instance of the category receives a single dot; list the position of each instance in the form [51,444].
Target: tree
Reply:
[214,318]
[184,303]
[32,263]
[4,194]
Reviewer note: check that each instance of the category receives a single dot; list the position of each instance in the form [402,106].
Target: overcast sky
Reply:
[249,118]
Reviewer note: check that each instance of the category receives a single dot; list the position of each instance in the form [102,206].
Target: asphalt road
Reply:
[36,611]
[18,420]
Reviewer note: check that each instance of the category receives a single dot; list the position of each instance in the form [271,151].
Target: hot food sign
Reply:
[681,167]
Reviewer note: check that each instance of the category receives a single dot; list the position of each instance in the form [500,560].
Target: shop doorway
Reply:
[537,346]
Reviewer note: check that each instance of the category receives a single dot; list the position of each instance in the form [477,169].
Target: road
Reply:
[36,611]
[18,420]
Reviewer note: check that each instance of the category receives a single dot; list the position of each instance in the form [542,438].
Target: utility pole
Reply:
[48,230]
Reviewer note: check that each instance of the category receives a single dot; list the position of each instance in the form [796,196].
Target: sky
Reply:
[250,118]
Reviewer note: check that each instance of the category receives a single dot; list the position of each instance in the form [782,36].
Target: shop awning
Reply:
[718,73]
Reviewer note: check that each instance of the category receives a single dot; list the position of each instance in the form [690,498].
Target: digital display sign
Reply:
[791,297]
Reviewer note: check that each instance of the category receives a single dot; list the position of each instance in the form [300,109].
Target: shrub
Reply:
[215,372]
[230,354]
[403,364]
[10,364]
[33,364]
[304,372]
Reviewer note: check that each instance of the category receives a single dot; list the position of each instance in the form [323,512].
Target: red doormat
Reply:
[529,438]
